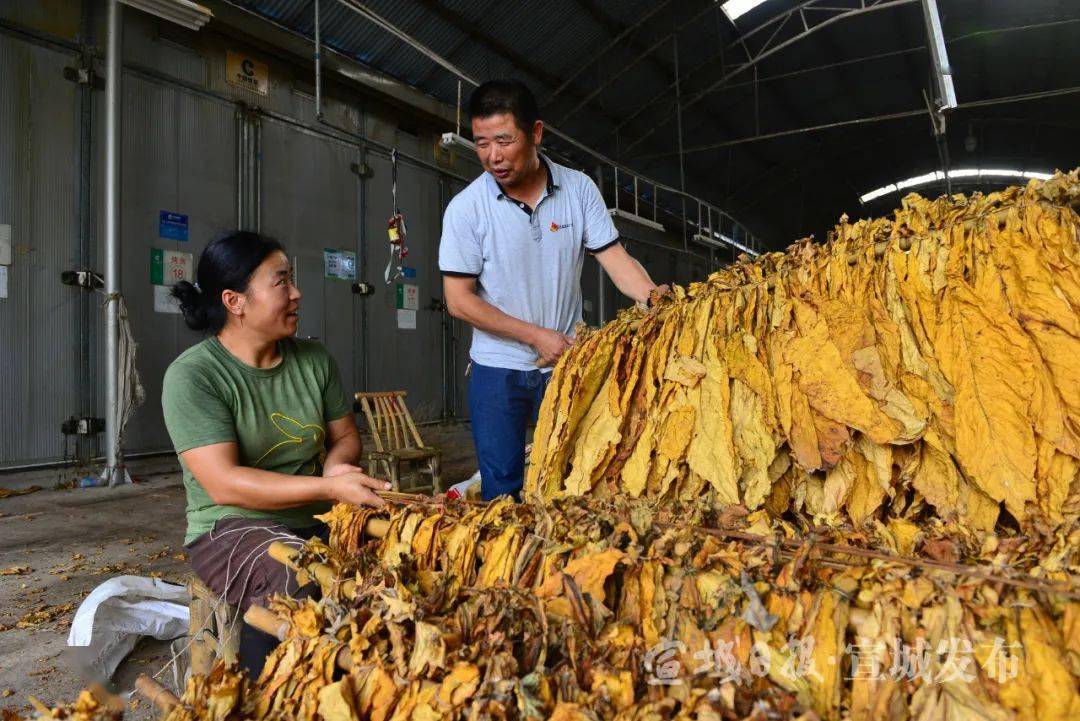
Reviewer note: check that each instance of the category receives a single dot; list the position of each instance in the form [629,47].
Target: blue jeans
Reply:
[502,403]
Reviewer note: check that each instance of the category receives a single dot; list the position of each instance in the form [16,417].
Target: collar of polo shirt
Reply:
[552,186]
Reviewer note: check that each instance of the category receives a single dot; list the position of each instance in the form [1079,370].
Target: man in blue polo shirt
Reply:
[512,249]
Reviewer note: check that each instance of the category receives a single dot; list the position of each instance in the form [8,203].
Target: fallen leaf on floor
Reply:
[44,614]
[115,568]
[7,692]
[42,671]
[15,571]
[6,492]
[64,570]
[179,557]
[76,557]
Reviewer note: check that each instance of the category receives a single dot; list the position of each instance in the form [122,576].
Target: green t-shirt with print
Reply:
[276,416]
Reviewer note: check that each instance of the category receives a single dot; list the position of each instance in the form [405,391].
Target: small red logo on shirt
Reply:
[554,227]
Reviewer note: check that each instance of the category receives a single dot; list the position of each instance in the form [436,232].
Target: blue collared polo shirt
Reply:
[527,261]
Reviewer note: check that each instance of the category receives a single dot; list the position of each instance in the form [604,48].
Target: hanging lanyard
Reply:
[395,230]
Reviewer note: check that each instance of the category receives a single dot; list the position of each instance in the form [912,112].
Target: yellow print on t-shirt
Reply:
[296,433]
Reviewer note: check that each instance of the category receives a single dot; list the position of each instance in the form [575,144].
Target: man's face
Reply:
[505,150]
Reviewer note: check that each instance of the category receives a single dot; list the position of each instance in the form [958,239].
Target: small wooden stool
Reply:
[213,628]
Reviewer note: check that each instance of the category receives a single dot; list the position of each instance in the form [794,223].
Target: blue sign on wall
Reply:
[408,272]
[173,226]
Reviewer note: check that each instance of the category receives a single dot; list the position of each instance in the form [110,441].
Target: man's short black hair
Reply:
[505,96]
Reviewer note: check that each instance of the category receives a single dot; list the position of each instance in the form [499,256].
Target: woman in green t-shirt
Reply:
[264,432]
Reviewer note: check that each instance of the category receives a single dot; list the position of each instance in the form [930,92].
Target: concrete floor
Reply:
[59,543]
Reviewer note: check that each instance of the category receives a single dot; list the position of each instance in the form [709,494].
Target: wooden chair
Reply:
[397,442]
[213,628]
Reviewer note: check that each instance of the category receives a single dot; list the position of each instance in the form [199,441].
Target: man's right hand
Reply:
[357,489]
[549,346]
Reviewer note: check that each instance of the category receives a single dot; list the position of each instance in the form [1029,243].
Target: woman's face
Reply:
[271,301]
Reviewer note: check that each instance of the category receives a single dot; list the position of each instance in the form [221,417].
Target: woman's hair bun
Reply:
[191,305]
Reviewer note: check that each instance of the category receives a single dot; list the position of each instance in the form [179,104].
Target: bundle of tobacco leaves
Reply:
[589,609]
[592,609]
[87,707]
[914,367]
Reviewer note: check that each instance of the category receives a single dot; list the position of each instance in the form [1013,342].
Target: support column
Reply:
[114,463]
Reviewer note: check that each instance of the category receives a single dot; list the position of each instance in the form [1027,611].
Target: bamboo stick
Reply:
[376,527]
[161,697]
[323,574]
[266,621]
[269,622]
[1065,589]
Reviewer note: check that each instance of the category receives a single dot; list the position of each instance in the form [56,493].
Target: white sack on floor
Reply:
[120,611]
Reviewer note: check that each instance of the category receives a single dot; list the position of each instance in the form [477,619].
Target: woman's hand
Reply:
[350,485]
[340,469]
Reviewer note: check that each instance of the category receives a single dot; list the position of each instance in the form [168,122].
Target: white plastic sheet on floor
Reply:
[122,610]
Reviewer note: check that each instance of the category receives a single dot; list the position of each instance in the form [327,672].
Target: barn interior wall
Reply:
[181,126]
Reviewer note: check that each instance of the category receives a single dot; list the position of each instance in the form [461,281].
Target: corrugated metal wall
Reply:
[180,155]
[39,179]
[311,202]
[405,359]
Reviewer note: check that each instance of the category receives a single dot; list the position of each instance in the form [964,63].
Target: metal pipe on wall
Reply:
[241,182]
[318,65]
[248,164]
[256,171]
[86,446]
[444,321]
[113,460]
[365,355]
[249,204]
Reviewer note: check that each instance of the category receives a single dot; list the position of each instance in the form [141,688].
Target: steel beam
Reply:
[943,79]
[678,117]
[774,41]
[462,24]
[644,54]
[604,50]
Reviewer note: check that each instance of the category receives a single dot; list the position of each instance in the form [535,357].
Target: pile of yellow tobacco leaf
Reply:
[926,365]
[589,609]
[835,484]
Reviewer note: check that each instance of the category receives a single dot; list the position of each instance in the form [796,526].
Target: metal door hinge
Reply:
[82,426]
[363,288]
[86,77]
[87,279]
[362,169]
